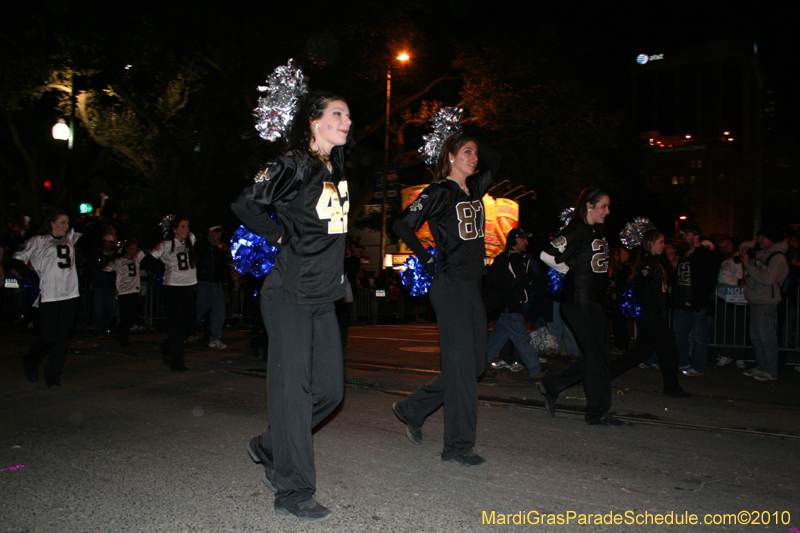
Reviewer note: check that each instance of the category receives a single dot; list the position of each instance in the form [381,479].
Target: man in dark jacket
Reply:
[692,300]
[510,285]
[212,270]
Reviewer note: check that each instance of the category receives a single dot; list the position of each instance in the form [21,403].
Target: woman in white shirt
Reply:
[180,279]
[51,254]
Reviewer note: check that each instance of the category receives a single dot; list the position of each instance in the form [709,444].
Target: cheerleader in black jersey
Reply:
[582,248]
[650,280]
[180,279]
[52,256]
[305,368]
[453,208]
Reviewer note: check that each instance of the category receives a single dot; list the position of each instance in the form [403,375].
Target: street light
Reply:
[385,180]
[61,131]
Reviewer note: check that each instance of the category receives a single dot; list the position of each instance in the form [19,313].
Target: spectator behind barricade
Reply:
[787,314]
[104,294]
[766,269]
[731,307]
[212,271]
[692,300]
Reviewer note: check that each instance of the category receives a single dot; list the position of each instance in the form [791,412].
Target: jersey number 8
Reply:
[470,219]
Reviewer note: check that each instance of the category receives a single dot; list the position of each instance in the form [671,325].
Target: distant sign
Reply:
[643,59]
[735,295]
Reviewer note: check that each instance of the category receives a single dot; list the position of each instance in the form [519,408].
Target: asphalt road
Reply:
[125,445]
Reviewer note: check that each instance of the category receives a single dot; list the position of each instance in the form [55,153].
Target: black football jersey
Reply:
[312,202]
[456,220]
[585,251]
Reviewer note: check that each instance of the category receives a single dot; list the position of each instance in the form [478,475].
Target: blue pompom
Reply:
[628,305]
[30,289]
[252,254]
[159,275]
[416,277]
[555,282]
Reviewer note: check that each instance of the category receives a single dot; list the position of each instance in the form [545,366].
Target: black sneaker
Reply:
[469,459]
[679,393]
[607,420]
[413,433]
[549,400]
[259,456]
[307,511]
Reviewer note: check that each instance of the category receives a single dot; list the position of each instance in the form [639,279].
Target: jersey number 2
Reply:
[600,259]
[330,207]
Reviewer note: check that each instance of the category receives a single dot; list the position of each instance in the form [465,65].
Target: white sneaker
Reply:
[740,364]
[642,366]
[217,344]
[722,361]
[765,376]
[750,372]
[497,365]
[516,367]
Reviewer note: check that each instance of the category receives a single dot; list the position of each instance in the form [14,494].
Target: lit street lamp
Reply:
[385,180]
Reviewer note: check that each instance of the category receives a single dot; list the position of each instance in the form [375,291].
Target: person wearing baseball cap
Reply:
[511,283]
[212,271]
[766,269]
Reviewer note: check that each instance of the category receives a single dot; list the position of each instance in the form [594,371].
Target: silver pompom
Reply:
[445,124]
[631,235]
[565,217]
[276,109]
[165,222]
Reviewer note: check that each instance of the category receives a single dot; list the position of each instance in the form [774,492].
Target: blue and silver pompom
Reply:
[628,305]
[416,277]
[555,282]
[252,253]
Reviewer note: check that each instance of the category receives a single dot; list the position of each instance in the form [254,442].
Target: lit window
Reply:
[674,180]
[699,163]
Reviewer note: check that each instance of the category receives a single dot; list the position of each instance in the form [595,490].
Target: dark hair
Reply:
[648,239]
[173,225]
[450,148]
[310,107]
[591,196]
[51,217]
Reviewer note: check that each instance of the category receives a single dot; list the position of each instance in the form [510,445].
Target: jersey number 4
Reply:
[470,219]
[331,208]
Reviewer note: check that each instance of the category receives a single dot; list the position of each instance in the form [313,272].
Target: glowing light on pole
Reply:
[385,181]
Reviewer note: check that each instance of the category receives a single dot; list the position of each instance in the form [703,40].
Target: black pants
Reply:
[588,321]
[129,305]
[462,338]
[654,334]
[57,320]
[180,306]
[305,383]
